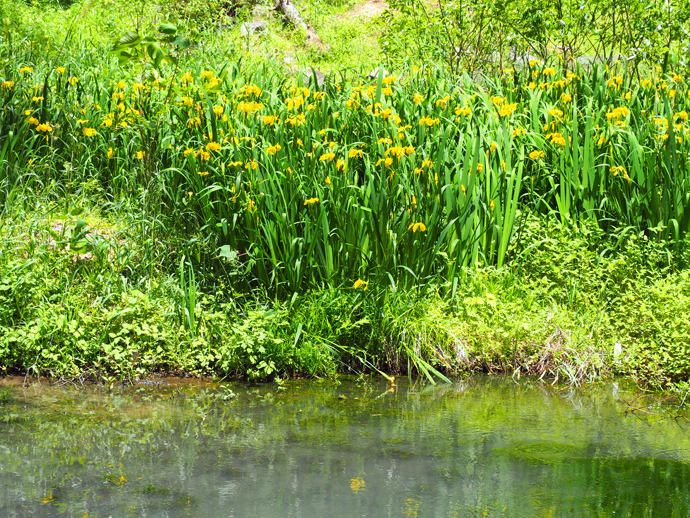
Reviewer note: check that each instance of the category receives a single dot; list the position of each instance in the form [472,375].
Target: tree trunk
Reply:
[293,15]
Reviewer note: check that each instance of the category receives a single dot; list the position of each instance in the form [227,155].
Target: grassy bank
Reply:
[116,312]
[186,210]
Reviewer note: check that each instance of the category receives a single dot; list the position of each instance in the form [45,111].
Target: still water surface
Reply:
[359,447]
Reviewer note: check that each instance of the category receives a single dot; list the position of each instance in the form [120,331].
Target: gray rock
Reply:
[586,60]
[591,60]
[260,11]
[256,27]
[374,74]
[222,27]
[521,60]
[320,77]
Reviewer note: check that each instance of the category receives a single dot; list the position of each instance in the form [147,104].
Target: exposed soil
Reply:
[368,9]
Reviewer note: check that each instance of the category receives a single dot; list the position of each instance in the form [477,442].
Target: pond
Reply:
[486,446]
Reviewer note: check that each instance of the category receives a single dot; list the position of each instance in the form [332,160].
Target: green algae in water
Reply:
[486,447]
[542,452]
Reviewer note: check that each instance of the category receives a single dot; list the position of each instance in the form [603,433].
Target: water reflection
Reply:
[483,447]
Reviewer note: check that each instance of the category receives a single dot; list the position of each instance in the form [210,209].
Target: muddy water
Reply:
[358,447]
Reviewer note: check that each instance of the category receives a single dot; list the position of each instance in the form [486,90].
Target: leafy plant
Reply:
[155,48]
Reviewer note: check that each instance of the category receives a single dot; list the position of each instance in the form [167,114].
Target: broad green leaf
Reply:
[156,53]
[130,39]
[227,252]
[181,42]
[167,28]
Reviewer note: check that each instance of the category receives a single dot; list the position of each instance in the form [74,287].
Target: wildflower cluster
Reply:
[402,172]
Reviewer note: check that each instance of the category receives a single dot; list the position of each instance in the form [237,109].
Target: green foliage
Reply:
[468,35]
[254,223]
[634,290]
[154,48]
[205,14]
[255,348]
[573,294]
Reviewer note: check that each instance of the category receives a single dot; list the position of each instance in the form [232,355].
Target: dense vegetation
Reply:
[167,205]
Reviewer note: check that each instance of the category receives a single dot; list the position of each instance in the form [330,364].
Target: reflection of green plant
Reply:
[256,436]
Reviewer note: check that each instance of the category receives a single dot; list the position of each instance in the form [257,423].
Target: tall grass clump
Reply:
[399,180]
